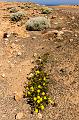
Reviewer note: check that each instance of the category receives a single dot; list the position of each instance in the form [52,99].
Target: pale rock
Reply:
[16,40]
[60,33]
[71,40]
[55,23]
[8,61]
[19,53]
[19,115]
[39,115]
[35,54]
[61,18]
[3,75]
[18,96]
[8,35]
[30,75]
[33,37]
[63,28]
[28,35]
[13,45]
[40,60]
[46,16]
[6,39]
[75,35]
[20,70]
[73,18]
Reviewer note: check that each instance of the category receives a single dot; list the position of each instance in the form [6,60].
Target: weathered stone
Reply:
[19,115]
[3,75]
[39,115]
[18,96]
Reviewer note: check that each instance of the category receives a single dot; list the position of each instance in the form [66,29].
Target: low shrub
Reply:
[37,23]
[13,10]
[17,16]
[46,10]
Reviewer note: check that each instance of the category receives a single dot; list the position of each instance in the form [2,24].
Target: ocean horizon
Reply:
[48,2]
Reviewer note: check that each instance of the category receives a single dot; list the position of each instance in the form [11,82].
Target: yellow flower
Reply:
[44,78]
[32,89]
[27,88]
[37,72]
[45,97]
[40,78]
[35,98]
[28,92]
[43,93]
[38,101]
[42,107]
[44,84]
[36,110]
[41,99]
[39,86]
[38,91]
[38,97]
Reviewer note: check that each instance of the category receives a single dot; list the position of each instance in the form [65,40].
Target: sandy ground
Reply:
[16,57]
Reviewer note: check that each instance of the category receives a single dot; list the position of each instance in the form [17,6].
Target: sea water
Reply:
[50,2]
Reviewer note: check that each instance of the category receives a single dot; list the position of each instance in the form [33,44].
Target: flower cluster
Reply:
[37,88]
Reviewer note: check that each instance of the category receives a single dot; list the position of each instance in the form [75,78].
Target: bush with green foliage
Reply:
[17,16]
[36,91]
[46,10]
[37,23]
[13,10]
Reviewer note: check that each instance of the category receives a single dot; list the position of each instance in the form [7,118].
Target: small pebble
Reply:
[30,75]
[33,37]
[39,115]
[63,28]
[61,18]
[19,53]
[18,96]
[71,40]
[73,18]
[35,54]
[9,61]
[75,35]
[55,23]
[8,35]
[19,115]
[6,39]
[20,70]
[3,75]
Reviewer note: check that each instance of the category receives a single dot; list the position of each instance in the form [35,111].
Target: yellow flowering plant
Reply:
[37,87]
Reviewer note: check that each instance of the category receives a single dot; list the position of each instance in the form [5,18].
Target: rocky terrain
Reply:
[18,49]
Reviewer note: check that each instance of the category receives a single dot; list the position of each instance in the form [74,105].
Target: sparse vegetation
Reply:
[17,16]
[37,23]
[46,10]
[36,91]
[13,10]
